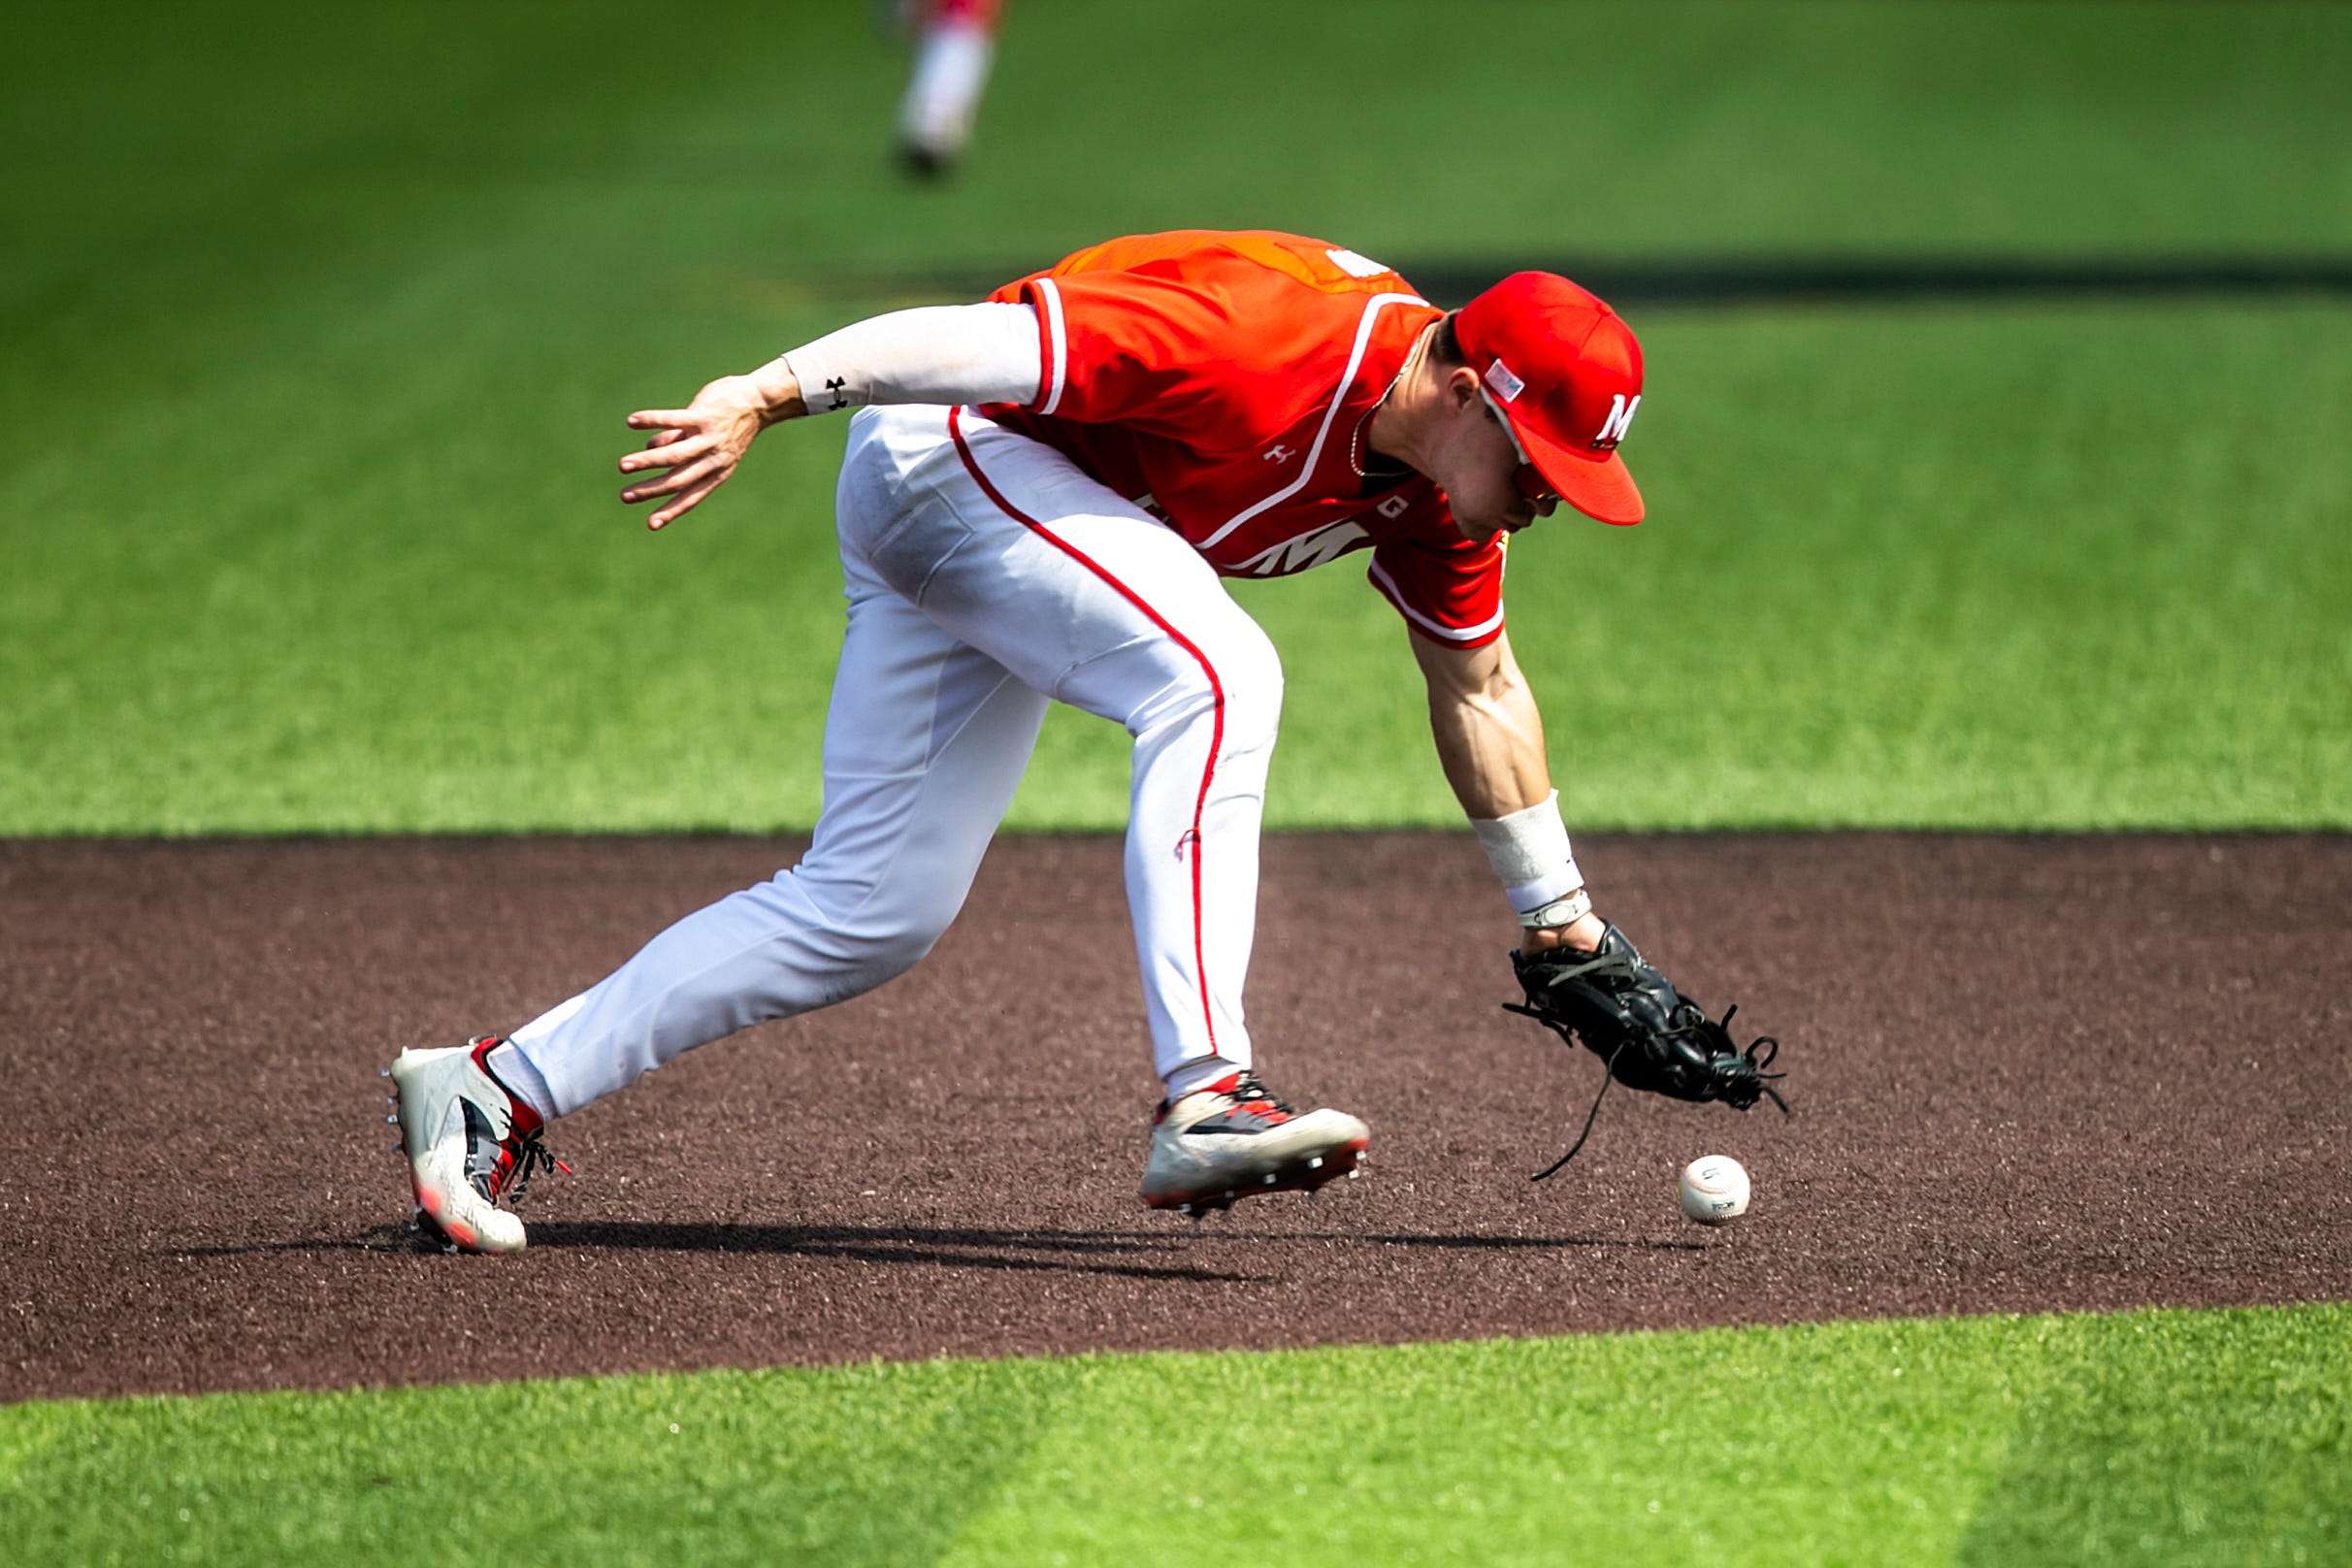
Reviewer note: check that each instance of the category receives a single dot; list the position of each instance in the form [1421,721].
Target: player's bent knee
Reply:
[864,931]
[1239,669]
[856,961]
[1251,683]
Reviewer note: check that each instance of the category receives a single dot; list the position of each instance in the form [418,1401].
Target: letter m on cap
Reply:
[1621,409]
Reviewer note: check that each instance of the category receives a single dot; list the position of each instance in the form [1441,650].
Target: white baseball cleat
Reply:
[468,1143]
[1235,1139]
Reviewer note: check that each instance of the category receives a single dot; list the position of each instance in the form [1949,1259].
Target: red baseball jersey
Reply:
[1223,381]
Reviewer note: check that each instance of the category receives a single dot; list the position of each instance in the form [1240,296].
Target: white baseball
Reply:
[1714,1189]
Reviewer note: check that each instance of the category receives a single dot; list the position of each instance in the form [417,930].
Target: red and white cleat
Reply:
[1235,1139]
[468,1143]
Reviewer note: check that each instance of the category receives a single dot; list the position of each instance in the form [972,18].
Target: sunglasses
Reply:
[1526,478]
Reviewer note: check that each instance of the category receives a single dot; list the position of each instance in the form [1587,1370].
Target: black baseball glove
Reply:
[1653,1037]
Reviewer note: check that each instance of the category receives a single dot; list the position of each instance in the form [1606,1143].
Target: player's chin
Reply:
[1488,531]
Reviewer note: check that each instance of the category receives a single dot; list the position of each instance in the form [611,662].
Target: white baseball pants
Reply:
[986,573]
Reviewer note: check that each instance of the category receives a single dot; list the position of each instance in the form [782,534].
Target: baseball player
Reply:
[955,46]
[1039,495]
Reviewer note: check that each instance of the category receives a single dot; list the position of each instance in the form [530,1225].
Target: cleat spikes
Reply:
[1216,1145]
[392,1121]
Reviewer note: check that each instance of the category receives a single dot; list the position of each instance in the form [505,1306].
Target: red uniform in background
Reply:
[955,47]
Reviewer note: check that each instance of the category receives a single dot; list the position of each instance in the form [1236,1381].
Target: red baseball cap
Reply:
[1566,372]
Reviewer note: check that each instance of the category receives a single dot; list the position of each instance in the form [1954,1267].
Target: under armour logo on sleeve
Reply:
[835,384]
[1279,453]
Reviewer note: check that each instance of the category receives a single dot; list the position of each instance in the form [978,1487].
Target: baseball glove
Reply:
[1652,1036]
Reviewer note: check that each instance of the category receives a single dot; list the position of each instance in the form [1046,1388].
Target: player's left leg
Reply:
[1092,600]
[924,743]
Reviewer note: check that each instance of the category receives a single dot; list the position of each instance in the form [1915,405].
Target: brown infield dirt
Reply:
[2028,1073]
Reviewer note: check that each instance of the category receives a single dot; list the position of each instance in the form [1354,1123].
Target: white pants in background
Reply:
[985,574]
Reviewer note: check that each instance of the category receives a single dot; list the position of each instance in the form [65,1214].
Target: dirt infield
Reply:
[2028,1073]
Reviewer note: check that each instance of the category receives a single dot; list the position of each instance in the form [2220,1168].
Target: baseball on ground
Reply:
[1714,1189]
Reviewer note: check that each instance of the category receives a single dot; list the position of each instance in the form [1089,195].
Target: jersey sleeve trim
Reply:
[1306,470]
[1057,348]
[1466,635]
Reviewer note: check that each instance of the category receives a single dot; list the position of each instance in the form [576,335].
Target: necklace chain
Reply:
[1358,451]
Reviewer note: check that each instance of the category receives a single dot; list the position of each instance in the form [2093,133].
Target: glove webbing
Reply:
[1765,1043]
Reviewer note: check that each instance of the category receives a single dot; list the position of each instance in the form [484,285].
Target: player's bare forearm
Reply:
[1489,740]
[1490,736]
[699,445]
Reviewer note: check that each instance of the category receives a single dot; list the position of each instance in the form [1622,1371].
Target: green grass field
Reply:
[2142,1438]
[321,377]
[319,326]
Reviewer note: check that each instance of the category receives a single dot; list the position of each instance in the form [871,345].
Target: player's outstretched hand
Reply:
[701,444]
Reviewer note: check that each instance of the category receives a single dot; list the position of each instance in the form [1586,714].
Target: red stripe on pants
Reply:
[1200,967]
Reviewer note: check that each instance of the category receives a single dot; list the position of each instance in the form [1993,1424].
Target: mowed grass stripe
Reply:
[2143,1437]
[2015,566]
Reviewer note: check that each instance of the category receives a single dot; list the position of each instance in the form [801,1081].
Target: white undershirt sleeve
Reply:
[935,353]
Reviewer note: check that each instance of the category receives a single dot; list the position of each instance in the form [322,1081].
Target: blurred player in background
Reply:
[954,44]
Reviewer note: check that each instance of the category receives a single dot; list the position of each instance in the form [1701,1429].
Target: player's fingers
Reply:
[667,484]
[663,438]
[658,418]
[671,455]
[687,501]
[683,477]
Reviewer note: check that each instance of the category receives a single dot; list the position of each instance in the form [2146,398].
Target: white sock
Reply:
[1197,1074]
[521,1079]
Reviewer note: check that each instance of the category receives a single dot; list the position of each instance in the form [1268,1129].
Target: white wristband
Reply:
[1530,854]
